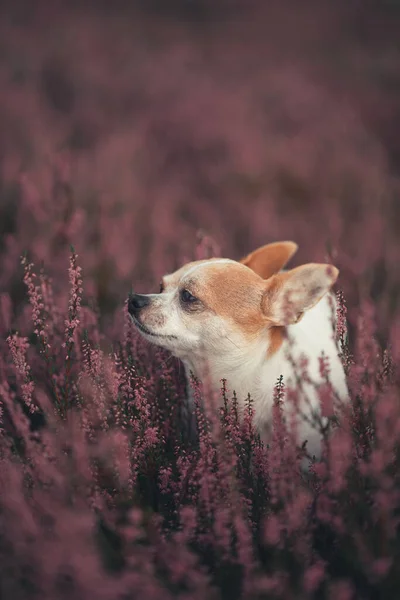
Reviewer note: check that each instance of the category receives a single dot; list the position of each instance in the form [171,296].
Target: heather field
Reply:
[135,136]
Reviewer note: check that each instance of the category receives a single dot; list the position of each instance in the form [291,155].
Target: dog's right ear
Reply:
[270,259]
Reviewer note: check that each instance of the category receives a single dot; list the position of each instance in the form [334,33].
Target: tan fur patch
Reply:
[232,291]
[276,335]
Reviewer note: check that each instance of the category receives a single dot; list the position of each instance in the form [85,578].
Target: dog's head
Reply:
[212,307]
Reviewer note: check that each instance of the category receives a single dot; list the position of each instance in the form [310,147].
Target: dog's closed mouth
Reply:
[147,331]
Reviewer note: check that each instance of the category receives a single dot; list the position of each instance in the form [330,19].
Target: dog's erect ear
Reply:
[288,295]
[270,259]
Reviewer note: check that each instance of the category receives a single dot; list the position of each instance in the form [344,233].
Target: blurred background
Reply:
[129,127]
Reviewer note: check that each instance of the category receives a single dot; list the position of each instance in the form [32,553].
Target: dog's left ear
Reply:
[287,296]
[270,259]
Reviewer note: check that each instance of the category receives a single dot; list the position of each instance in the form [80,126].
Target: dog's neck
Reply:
[241,368]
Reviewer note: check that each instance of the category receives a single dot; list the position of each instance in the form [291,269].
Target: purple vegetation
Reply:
[124,135]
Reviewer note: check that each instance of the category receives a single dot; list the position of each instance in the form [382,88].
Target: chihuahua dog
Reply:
[249,323]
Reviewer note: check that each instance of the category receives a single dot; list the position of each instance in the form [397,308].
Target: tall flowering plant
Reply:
[102,492]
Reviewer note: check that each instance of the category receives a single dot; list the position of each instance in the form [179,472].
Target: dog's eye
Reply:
[187,297]
[162,287]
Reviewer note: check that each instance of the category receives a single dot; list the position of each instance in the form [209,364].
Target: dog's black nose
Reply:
[136,302]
